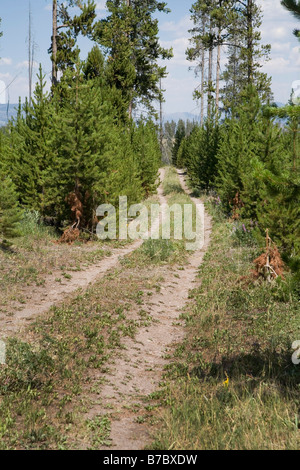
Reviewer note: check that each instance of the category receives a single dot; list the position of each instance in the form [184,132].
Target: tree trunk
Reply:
[130,109]
[203,70]
[250,39]
[218,73]
[161,117]
[218,77]
[210,66]
[30,55]
[128,2]
[202,85]
[54,42]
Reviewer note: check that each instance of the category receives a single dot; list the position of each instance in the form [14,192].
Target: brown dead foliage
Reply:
[70,235]
[269,264]
[73,199]
[237,205]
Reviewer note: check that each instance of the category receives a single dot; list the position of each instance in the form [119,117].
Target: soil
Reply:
[39,299]
[137,369]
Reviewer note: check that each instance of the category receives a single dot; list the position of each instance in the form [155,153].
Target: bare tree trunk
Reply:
[203,71]
[210,64]
[128,2]
[130,109]
[30,55]
[218,73]
[202,85]
[250,39]
[54,42]
[161,117]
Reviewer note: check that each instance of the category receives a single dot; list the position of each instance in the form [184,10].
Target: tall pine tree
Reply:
[130,36]
[65,31]
[245,55]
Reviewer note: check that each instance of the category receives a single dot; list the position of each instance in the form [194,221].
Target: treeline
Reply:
[249,158]
[173,133]
[68,153]
[250,161]
[234,26]
[73,148]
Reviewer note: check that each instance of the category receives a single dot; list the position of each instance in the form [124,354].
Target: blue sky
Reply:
[277,27]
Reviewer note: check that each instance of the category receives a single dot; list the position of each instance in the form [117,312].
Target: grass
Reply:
[164,251]
[231,385]
[61,359]
[36,254]
[49,373]
[56,365]
[171,185]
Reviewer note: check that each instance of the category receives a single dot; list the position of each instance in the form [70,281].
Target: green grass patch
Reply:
[163,250]
[171,183]
[44,385]
[232,383]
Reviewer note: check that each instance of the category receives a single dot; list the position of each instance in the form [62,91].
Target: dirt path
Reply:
[138,370]
[39,299]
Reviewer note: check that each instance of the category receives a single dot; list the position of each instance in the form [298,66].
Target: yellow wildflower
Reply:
[226,382]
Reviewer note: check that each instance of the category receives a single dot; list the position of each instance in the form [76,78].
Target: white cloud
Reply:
[276,64]
[281,47]
[24,64]
[6,76]
[5,61]
[278,33]
[180,27]
[179,46]
[295,57]
[178,93]
[2,92]
[277,30]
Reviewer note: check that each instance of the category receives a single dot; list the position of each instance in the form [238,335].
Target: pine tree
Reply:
[243,140]
[179,136]
[94,163]
[94,66]
[65,31]
[168,141]
[280,195]
[10,213]
[114,33]
[146,146]
[197,153]
[31,151]
[130,36]
[211,20]
[245,55]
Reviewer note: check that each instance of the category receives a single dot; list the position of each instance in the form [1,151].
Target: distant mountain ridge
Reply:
[181,115]
[7,112]
[185,116]
[11,111]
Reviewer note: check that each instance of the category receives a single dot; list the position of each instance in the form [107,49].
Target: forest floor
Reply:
[119,354]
